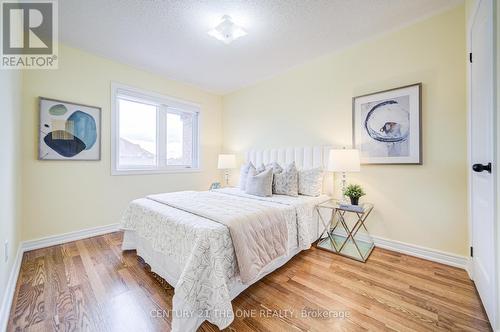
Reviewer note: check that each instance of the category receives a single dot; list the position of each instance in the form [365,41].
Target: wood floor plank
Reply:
[92,285]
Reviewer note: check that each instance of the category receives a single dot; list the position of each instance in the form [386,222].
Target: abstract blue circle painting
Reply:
[69,131]
[387,126]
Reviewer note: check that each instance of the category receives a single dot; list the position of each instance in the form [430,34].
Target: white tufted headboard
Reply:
[304,157]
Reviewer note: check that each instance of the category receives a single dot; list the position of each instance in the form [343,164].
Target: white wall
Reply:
[10,149]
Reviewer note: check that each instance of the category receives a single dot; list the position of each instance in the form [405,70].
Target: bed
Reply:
[181,237]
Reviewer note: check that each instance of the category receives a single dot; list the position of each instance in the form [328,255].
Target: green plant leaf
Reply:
[354,191]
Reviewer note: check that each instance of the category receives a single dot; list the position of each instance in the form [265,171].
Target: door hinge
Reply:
[471,251]
[470,57]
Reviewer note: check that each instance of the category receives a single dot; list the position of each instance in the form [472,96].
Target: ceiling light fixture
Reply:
[227,31]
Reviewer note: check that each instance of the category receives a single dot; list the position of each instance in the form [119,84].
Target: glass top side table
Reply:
[341,236]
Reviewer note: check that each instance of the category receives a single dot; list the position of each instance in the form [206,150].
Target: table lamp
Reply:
[343,161]
[226,162]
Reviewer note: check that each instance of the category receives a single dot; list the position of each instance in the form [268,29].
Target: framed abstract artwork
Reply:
[69,131]
[387,126]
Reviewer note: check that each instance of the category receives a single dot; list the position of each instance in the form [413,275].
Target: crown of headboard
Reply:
[304,157]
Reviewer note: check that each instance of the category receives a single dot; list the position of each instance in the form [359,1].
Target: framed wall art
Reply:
[387,126]
[69,131]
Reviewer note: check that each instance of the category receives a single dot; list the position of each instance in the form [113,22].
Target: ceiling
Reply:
[169,37]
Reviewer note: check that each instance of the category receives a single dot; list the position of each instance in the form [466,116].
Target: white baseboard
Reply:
[423,252]
[68,237]
[37,244]
[10,288]
[417,251]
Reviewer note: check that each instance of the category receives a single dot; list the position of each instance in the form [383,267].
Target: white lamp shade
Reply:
[226,161]
[344,160]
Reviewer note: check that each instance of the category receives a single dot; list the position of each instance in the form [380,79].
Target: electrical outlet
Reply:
[6,250]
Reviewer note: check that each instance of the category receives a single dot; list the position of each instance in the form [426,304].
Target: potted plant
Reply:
[354,192]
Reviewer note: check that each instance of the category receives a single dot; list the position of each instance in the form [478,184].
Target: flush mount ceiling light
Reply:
[227,31]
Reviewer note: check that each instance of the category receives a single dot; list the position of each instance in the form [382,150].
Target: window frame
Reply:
[161,101]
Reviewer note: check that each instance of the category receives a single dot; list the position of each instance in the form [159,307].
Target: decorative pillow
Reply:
[311,182]
[286,182]
[245,168]
[260,169]
[275,166]
[260,184]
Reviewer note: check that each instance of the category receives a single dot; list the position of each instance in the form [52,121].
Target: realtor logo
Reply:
[29,34]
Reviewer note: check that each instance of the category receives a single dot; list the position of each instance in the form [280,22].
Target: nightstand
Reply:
[343,235]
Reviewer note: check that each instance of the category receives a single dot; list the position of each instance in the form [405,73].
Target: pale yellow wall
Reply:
[10,212]
[422,205]
[64,196]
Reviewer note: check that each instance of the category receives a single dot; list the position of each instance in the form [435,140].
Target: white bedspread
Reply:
[203,249]
[258,229]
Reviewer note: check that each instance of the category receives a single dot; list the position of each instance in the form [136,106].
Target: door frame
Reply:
[496,152]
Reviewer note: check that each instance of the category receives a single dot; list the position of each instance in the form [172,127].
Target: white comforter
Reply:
[204,251]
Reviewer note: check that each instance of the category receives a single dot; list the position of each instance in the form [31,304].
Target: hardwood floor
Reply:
[91,285]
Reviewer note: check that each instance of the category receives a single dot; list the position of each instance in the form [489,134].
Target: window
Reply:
[152,133]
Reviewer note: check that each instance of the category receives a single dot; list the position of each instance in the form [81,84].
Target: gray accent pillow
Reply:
[260,184]
[275,166]
[286,182]
[245,168]
[311,182]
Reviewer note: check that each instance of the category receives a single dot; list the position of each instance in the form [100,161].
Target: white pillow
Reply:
[286,182]
[260,168]
[245,168]
[311,182]
[260,184]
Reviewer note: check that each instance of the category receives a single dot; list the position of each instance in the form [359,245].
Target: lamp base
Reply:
[344,182]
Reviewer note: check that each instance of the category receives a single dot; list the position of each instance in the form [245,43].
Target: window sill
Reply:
[118,172]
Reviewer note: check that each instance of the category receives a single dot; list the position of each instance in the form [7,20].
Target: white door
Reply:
[481,145]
